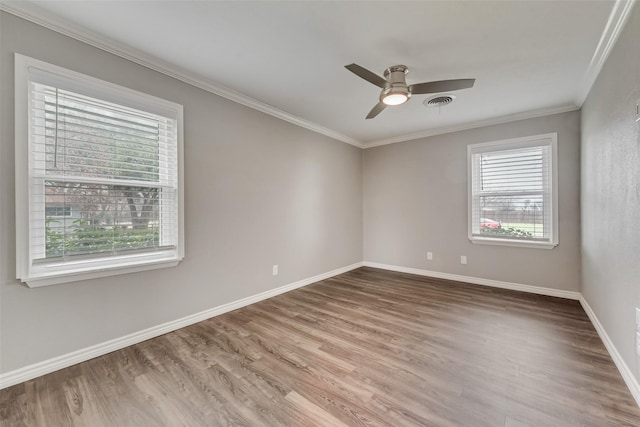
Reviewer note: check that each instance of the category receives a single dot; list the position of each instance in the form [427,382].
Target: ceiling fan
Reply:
[395,90]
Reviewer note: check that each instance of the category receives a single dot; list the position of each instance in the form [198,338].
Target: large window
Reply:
[513,192]
[97,177]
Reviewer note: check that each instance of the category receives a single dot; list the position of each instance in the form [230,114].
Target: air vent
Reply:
[439,100]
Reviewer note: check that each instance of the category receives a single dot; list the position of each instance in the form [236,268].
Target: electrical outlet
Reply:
[463,259]
[429,256]
[275,270]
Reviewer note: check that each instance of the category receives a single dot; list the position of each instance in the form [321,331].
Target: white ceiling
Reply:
[528,57]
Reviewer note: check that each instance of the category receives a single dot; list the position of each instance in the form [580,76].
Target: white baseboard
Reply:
[479,281]
[47,366]
[624,369]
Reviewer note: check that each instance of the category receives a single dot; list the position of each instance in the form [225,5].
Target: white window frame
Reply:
[82,269]
[551,200]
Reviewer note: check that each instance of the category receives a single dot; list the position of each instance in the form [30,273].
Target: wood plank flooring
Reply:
[368,347]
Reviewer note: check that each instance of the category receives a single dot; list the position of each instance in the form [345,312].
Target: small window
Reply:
[513,192]
[97,177]
[57,211]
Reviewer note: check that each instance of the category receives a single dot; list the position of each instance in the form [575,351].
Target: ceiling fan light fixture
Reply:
[395,94]
[394,98]
[396,91]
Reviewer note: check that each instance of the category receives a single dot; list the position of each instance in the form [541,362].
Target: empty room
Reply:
[320,213]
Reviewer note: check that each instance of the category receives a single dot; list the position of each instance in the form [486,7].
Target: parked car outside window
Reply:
[489,224]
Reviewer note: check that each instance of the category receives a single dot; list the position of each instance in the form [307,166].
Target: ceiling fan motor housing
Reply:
[397,83]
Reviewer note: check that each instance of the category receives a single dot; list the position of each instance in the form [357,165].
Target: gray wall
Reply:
[259,191]
[611,192]
[415,200]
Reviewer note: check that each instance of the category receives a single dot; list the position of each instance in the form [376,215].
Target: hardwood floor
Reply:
[368,347]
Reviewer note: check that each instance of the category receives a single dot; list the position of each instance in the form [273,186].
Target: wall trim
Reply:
[479,281]
[474,125]
[615,24]
[25,10]
[35,370]
[33,13]
[625,371]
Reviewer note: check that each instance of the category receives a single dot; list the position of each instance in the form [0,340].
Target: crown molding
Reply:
[26,10]
[37,15]
[615,24]
[473,125]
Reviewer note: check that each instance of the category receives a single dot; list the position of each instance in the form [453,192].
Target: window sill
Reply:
[512,243]
[40,278]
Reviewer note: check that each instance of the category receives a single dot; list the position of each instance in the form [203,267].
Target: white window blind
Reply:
[110,169]
[512,191]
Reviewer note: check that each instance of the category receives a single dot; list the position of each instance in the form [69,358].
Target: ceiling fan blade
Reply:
[369,76]
[376,110]
[441,86]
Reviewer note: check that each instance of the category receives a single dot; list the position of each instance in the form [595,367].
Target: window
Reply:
[51,211]
[98,177]
[513,192]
